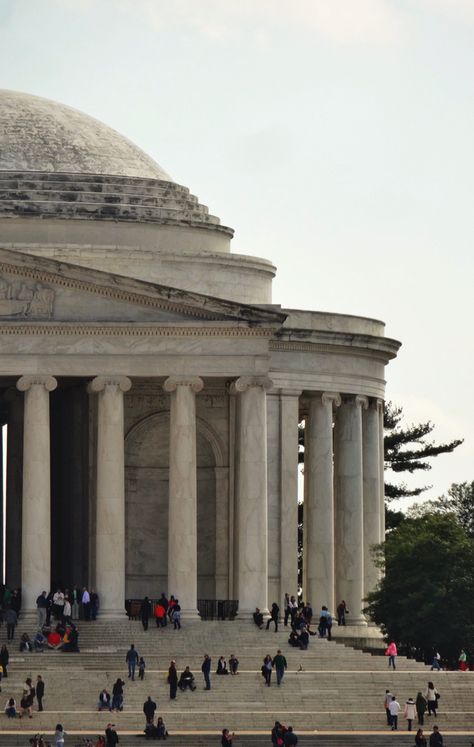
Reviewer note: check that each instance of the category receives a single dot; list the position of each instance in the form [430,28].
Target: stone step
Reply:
[103,198]
[242,739]
[339,687]
[93,209]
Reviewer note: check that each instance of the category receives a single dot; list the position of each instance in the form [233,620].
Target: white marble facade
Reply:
[153,391]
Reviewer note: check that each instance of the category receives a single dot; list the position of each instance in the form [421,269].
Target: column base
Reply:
[248,614]
[117,614]
[356,620]
[190,614]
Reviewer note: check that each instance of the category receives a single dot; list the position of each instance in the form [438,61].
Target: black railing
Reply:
[209,609]
[218,609]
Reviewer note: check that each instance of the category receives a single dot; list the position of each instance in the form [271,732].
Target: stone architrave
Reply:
[110,507]
[182,510]
[36,508]
[319,501]
[252,524]
[349,514]
[372,504]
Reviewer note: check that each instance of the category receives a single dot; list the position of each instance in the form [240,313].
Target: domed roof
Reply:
[40,135]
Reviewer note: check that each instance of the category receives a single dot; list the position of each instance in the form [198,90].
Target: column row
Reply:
[251,504]
[344,501]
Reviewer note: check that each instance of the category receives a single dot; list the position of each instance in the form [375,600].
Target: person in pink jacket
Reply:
[391,652]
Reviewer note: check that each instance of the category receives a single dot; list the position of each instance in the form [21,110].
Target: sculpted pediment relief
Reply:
[25,299]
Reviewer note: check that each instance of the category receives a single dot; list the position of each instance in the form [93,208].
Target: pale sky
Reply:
[335,136]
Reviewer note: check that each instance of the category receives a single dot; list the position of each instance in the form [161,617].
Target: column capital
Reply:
[243,383]
[362,401]
[26,382]
[173,382]
[101,382]
[333,398]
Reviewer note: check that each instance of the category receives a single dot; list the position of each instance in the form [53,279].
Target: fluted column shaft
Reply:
[252,524]
[382,470]
[349,526]
[372,503]
[36,508]
[182,510]
[110,507]
[319,501]
[14,488]
[289,412]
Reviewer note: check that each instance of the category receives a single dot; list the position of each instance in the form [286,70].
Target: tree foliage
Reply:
[426,596]
[407,449]
[459,502]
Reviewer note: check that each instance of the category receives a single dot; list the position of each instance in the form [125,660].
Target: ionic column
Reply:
[110,504]
[14,488]
[372,505]
[319,501]
[182,510]
[289,414]
[36,504]
[251,509]
[382,470]
[349,523]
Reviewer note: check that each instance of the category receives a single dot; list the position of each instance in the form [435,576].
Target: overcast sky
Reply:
[335,136]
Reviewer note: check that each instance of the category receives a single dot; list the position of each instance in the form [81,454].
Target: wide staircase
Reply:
[332,694]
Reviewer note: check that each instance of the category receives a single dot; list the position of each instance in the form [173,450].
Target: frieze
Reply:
[120,330]
[25,300]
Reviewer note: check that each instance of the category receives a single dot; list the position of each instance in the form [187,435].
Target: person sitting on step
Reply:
[186,680]
[222,666]
[233,664]
[258,618]
[105,703]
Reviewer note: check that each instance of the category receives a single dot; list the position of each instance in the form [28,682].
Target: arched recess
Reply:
[146,474]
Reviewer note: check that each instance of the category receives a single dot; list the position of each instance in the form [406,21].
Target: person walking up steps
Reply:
[280,664]
[392,652]
[420,708]
[386,704]
[132,661]
[394,708]
[409,712]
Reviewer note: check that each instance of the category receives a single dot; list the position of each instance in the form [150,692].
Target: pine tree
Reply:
[406,449]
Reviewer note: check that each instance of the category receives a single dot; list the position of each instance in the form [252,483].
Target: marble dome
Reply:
[40,135]
[74,189]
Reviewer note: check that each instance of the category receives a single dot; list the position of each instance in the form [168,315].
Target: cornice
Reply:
[381,348]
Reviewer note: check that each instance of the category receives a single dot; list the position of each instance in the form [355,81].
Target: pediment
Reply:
[35,289]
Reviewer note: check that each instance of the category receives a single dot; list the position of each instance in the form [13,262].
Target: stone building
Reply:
[152,390]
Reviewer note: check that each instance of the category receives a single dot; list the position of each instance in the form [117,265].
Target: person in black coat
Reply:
[4,659]
[173,680]
[111,736]
[149,708]
[274,616]
[206,670]
[145,613]
[40,691]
